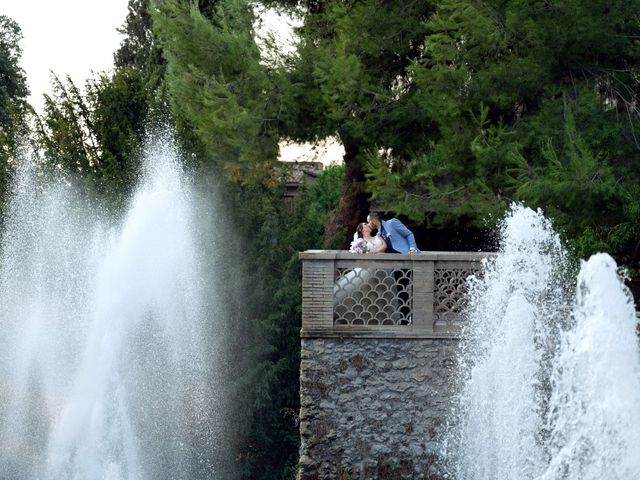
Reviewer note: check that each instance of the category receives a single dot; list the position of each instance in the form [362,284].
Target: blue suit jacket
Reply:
[400,237]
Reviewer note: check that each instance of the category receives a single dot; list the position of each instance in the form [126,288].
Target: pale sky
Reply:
[78,37]
[68,37]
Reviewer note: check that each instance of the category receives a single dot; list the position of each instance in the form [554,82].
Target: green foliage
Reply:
[64,131]
[139,47]
[276,233]
[140,51]
[432,189]
[591,194]
[217,85]
[13,93]
[120,106]
[350,75]
[325,191]
[530,101]
[96,136]
[13,83]
[350,78]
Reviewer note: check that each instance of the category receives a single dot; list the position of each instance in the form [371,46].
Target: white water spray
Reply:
[546,392]
[595,405]
[509,313]
[104,364]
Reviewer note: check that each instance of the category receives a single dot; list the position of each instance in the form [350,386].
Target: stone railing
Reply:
[385,295]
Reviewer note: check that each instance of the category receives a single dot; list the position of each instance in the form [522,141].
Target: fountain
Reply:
[595,403]
[549,374]
[106,351]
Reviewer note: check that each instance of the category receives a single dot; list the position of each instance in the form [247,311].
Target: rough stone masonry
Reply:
[374,408]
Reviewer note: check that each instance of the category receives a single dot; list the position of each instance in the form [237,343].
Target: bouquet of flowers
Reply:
[359,245]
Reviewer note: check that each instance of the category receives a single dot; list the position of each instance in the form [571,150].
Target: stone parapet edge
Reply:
[389,257]
[379,333]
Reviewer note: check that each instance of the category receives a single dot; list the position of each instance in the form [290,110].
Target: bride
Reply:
[349,283]
[374,244]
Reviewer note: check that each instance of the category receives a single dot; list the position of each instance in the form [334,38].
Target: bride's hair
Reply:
[359,229]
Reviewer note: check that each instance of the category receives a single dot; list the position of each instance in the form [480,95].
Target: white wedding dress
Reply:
[375,245]
[353,280]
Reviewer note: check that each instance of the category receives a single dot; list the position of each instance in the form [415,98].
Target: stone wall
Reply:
[373,408]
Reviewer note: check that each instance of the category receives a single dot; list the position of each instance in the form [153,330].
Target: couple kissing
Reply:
[392,236]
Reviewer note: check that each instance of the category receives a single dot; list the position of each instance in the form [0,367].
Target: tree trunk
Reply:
[354,205]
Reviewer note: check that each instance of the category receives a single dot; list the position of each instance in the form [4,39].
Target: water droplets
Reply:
[102,330]
[550,377]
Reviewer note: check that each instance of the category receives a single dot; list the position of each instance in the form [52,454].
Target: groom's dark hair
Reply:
[375,215]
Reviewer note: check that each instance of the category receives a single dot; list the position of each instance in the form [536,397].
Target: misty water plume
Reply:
[108,341]
[549,373]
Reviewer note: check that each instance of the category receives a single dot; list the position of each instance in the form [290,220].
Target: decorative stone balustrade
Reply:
[388,295]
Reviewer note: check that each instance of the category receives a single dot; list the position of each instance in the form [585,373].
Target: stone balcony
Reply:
[385,295]
[377,361]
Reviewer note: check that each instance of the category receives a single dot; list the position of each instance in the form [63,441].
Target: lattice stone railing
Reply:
[345,294]
[372,296]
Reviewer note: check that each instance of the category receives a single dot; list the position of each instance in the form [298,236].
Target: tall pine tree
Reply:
[13,98]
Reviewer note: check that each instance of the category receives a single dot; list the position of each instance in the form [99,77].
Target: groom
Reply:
[398,237]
